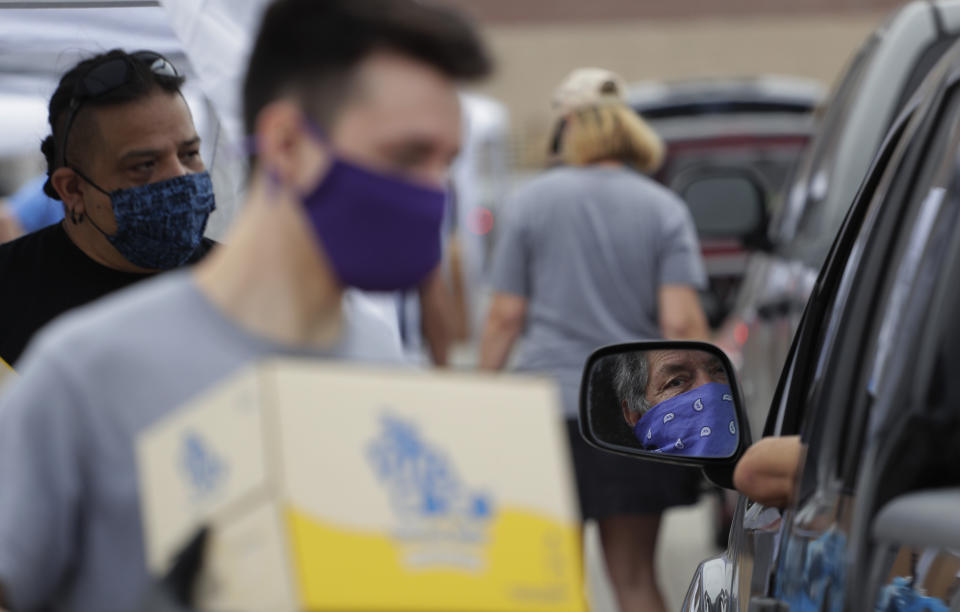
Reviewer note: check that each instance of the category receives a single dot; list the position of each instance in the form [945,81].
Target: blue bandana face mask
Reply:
[160,225]
[701,422]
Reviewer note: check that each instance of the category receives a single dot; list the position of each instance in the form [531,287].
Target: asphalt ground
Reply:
[685,540]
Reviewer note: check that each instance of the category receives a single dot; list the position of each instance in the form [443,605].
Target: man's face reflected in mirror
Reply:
[672,372]
[676,372]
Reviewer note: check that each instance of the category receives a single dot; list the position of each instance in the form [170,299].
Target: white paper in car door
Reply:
[904,283]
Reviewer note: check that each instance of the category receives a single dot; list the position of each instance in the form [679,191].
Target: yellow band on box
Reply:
[6,370]
[351,570]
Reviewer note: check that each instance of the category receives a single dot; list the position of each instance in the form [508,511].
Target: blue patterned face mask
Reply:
[701,422]
[160,225]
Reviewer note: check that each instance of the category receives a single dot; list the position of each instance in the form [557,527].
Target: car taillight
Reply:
[741,332]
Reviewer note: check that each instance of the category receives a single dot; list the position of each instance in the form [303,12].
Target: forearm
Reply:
[692,327]
[497,342]
[681,316]
[505,322]
[436,317]
[437,336]
[767,472]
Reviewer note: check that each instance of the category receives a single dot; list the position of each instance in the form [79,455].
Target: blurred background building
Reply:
[538,41]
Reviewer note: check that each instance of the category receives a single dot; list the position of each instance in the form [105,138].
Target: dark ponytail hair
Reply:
[141,82]
[49,149]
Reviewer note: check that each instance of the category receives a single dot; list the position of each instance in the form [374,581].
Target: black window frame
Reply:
[828,386]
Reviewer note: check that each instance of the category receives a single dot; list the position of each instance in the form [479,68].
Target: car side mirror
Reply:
[669,401]
[728,203]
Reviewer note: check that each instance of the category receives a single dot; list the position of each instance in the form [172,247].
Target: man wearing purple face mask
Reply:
[678,402]
[352,108]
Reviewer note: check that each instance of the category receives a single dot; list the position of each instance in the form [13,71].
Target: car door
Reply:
[833,388]
[905,535]
[743,572]
[904,542]
[754,538]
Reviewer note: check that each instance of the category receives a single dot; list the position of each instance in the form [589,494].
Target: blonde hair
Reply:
[611,132]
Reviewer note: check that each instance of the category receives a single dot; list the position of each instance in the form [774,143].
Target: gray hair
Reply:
[630,380]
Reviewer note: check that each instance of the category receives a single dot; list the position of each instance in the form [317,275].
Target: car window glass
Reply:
[916,271]
[821,318]
[817,218]
[811,566]
[842,324]
[772,162]
[809,183]
[903,310]
[912,423]
[901,292]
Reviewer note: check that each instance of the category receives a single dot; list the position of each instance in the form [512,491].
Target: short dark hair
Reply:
[140,83]
[312,46]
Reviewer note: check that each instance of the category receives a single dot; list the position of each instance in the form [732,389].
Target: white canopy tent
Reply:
[207,41]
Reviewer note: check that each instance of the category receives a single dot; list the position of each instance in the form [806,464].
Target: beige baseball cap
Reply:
[588,87]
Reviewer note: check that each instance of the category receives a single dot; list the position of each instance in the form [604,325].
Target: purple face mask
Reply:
[380,232]
[701,422]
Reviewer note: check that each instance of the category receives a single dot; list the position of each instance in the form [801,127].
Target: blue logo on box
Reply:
[205,469]
[425,491]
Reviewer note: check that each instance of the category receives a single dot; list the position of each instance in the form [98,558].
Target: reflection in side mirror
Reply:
[663,399]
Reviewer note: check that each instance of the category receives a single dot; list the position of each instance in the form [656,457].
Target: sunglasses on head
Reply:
[107,75]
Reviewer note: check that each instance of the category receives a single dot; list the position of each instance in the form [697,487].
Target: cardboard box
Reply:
[335,488]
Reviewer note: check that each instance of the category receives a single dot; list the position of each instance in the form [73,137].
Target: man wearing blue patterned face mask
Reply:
[123,157]
[678,402]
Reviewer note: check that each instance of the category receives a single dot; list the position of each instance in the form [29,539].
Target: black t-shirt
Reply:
[44,274]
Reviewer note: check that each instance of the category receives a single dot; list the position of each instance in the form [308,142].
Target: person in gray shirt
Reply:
[353,108]
[588,254]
